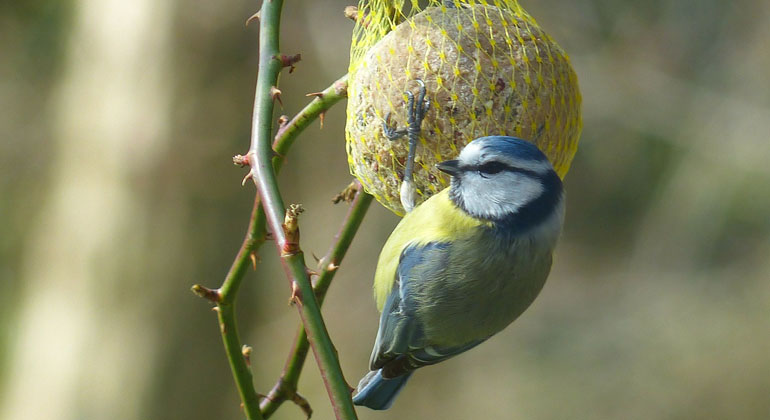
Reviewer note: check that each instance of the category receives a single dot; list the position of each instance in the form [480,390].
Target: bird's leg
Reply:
[416,115]
[416,111]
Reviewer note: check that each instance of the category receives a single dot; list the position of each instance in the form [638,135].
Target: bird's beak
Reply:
[452,167]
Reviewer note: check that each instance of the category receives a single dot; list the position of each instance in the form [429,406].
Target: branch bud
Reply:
[289,61]
[291,229]
[246,351]
[206,293]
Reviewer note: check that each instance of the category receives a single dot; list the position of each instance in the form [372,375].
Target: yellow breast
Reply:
[435,220]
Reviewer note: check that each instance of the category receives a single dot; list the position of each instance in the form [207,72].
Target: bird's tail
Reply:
[378,393]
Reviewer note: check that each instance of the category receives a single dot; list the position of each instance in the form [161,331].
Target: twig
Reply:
[292,259]
[255,237]
[224,297]
[324,100]
[286,387]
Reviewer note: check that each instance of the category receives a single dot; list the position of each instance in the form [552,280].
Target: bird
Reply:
[465,263]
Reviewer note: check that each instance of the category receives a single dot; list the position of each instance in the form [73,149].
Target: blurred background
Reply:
[117,193]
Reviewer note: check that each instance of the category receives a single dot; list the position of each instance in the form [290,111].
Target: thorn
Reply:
[316,94]
[332,267]
[289,60]
[254,259]
[282,121]
[321,117]
[246,351]
[215,309]
[315,257]
[311,272]
[241,160]
[248,176]
[275,93]
[294,298]
[206,293]
[252,18]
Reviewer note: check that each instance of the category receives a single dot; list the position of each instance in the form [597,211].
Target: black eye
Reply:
[491,168]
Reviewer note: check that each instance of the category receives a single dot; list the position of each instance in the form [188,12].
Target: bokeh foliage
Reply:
[117,194]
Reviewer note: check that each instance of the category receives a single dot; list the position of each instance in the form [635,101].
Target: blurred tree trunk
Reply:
[82,347]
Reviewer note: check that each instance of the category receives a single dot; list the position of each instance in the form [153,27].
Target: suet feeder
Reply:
[488,69]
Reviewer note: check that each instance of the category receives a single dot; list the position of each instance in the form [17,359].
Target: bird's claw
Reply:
[390,131]
[416,110]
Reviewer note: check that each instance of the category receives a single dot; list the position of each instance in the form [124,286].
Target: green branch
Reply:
[283,224]
[225,296]
[286,387]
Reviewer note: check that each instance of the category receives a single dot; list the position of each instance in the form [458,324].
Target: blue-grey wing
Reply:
[401,345]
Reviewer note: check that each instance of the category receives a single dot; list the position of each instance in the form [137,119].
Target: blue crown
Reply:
[513,146]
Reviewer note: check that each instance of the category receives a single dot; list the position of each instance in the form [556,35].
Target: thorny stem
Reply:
[226,314]
[286,387]
[256,234]
[324,100]
[255,237]
[241,370]
[293,261]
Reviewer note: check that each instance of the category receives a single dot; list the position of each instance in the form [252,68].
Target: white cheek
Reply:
[500,194]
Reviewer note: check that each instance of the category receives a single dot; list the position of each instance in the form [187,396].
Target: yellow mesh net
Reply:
[488,69]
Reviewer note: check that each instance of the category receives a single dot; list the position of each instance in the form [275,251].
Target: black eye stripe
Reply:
[494,167]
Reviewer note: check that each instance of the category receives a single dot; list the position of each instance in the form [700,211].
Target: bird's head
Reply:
[504,179]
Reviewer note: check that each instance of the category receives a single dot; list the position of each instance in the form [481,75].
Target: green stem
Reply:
[322,102]
[255,237]
[286,387]
[224,297]
[241,370]
[260,157]
[226,294]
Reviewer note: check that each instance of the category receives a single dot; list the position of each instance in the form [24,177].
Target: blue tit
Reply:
[465,263]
